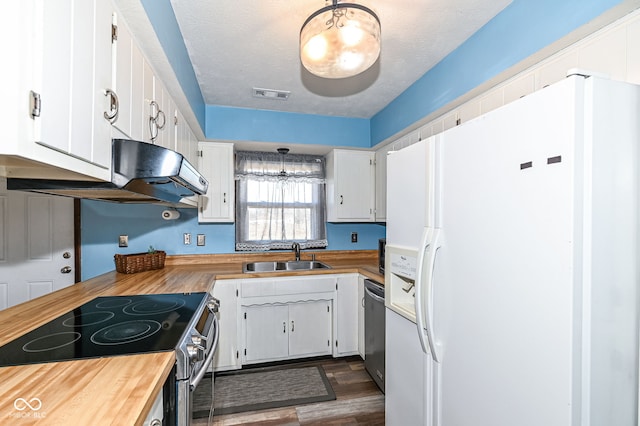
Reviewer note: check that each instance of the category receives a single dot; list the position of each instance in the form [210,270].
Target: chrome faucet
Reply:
[296,250]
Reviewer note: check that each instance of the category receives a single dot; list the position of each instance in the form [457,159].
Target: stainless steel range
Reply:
[125,325]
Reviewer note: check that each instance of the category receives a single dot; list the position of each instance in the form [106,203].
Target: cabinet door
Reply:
[216,164]
[139,116]
[148,96]
[74,73]
[347,315]
[310,328]
[266,332]
[350,186]
[361,316]
[227,356]
[381,183]
[123,77]
[18,49]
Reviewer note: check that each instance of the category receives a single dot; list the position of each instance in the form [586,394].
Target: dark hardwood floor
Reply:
[358,401]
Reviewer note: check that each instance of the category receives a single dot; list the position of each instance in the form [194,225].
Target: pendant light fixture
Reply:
[283,152]
[340,40]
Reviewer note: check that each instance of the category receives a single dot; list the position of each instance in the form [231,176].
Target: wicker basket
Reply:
[138,262]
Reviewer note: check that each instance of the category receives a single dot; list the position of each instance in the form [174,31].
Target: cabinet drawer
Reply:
[259,287]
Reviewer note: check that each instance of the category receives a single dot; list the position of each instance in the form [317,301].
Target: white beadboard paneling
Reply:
[633,51]
[450,120]
[437,126]
[40,237]
[492,100]
[606,53]
[414,137]
[556,69]
[426,131]
[469,111]
[520,87]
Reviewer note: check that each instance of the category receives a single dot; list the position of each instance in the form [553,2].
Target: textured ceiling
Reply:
[238,45]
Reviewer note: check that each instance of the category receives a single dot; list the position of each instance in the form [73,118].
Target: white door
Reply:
[36,231]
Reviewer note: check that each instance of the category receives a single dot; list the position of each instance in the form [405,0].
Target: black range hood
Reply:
[140,173]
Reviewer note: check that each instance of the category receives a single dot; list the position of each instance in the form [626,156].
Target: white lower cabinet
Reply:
[361,316]
[271,319]
[227,355]
[289,330]
[346,321]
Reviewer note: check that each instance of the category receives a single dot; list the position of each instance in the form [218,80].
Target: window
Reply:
[280,200]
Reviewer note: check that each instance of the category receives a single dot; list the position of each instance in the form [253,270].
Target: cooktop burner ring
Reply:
[125,332]
[87,319]
[113,303]
[51,341]
[153,307]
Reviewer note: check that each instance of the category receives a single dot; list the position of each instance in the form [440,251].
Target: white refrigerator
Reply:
[513,293]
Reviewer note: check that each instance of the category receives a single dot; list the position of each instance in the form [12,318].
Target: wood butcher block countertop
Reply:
[120,390]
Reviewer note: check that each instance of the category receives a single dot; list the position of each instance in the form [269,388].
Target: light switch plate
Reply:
[123,241]
[200,239]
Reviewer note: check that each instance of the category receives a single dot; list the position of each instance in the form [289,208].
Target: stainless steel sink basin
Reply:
[299,265]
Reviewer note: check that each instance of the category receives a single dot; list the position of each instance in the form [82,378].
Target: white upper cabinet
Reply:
[75,79]
[381,182]
[216,164]
[350,186]
[123,56]
[62,52]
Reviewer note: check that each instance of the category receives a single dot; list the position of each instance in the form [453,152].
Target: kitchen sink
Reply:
[294,265]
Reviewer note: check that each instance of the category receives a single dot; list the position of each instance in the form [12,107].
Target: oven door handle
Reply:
[207,361]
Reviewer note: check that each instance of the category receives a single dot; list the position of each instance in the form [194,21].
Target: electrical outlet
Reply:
[123,241]
[354,237]
[200,239]
[186,239]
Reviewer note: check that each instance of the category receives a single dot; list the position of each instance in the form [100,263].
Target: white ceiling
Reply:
[241,44]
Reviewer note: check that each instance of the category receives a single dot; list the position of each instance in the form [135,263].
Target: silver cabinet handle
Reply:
[157,120]
[224,197]
[284,326]
[114,107]
[66,270]
[163,121]
[293,326]
[341,200]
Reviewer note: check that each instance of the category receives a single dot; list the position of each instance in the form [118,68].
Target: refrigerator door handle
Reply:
[435,245]
[420,318]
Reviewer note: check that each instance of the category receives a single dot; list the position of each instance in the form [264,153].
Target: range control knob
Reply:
[197,340]
[196,352]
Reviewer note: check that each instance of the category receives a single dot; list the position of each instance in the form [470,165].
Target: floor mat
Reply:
[261,389]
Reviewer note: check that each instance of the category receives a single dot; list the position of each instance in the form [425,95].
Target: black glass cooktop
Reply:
[107,326]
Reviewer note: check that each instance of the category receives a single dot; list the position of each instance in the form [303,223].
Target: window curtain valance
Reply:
[271,165]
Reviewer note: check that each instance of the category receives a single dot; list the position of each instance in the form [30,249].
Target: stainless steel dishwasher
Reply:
[374,313]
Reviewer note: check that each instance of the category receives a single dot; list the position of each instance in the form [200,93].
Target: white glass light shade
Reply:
[340,41]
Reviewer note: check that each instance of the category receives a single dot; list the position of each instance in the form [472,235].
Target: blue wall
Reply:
[103,222]
[521,29]
[229,123]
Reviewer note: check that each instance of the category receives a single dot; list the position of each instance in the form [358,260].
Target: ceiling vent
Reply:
[278,95]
